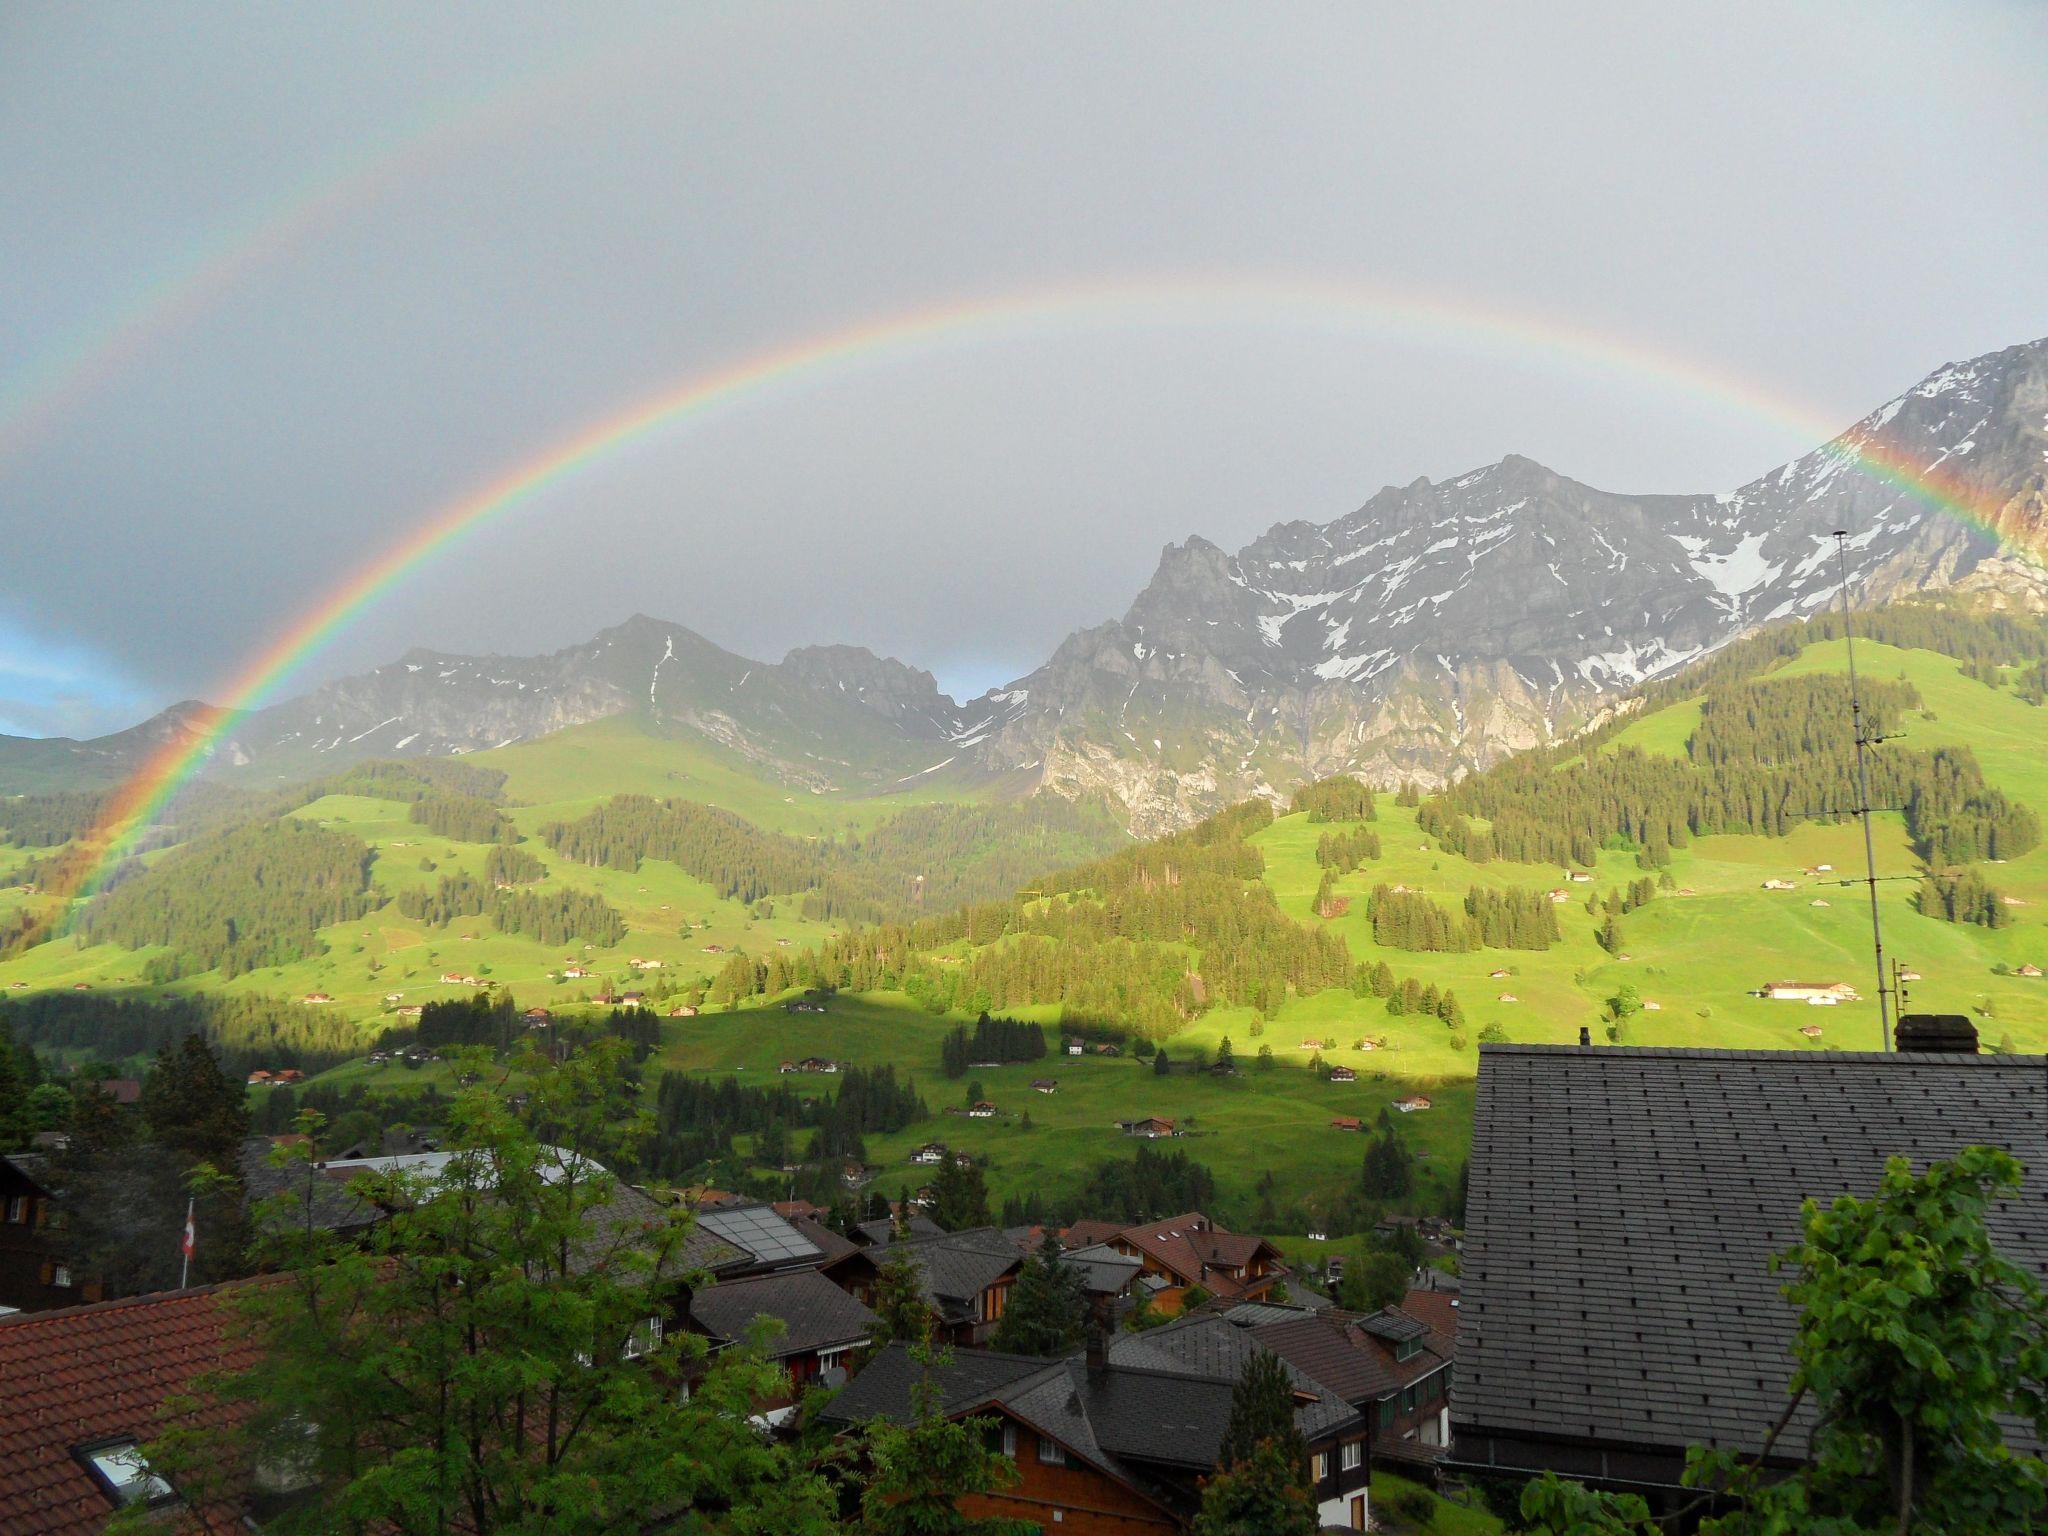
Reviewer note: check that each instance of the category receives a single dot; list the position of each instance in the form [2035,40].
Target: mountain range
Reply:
[1436,629]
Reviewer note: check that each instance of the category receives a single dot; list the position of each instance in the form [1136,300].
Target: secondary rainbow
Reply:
[47,386]
[1178,300]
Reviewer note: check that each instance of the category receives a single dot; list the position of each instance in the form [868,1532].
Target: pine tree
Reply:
[1047,1310]
[1262,1413]
[1161,1065]
[901,1311]
[959,1196]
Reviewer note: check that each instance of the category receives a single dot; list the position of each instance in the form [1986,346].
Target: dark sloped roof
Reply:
[1321,1350]
[1215,1350]
[1103,1271]
[1394,1326]
[814,1312]
[1175,1418]
[968,1379]
[1625,1205]
[77,1375]
[956,1267]
[830,1244]
[881,1229]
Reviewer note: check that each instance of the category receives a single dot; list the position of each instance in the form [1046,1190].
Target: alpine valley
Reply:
[1500,758]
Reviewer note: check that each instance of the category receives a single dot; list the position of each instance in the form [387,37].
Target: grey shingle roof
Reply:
[1125,1419]
[969,1379]
[954,1268]
[1215,1350]
[1625,1205]
[814,1312]
[1320,1349]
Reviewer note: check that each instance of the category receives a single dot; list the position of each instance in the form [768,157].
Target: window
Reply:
[1318,1466]
[643,1340]
[1407,1349]
[17,1210]
[1352,1456]
[1407,1399]
[60,1275]
[1009,1440]
[122,1473]
[1051,1452]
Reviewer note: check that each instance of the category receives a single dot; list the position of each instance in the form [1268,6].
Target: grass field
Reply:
[1275,1120]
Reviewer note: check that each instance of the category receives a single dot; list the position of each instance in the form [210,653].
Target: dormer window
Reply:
[1407,1349]
[123,1475]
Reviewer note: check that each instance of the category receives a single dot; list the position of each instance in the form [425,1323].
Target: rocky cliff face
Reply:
[1436,629]
[1442,626]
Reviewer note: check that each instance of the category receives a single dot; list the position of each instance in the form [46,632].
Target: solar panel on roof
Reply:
[761,1232]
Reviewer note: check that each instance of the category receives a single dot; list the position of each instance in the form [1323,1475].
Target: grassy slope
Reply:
[571,770]
[1277,1119]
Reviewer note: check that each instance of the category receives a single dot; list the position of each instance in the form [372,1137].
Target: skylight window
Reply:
[123,1474]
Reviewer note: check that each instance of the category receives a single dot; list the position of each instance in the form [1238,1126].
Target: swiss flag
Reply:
[191,1237]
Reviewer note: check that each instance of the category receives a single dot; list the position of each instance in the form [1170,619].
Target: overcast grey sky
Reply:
[276,282]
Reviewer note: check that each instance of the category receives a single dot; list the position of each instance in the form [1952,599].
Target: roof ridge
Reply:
[1730,1053]
[146,1298]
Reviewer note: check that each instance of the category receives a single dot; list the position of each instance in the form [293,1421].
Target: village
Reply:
[1453,1378]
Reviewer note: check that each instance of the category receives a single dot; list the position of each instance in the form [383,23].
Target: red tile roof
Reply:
[84,1374]
[1438,1312]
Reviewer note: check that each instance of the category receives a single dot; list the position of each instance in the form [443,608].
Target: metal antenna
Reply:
[1863,806]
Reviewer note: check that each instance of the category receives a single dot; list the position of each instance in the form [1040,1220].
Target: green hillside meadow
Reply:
[1694,956]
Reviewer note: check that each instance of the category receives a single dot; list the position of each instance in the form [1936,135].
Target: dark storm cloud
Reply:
[430,242]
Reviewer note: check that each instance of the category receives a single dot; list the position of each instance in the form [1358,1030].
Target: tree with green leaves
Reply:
[1379,1279]
[1263,1495]
[486,1361]
[1047,1313]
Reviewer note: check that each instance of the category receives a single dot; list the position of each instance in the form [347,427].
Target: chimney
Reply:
[1098,1335]
[1585,1035]
[1949,1034]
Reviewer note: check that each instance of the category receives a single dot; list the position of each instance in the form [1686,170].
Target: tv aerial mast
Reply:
[1863,807]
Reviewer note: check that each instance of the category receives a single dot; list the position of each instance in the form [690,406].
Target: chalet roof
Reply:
[814,1312]
[829,1243]
[1210,1348]
[1439,1309]
[1324,1351]
[1123,1419]
[1103,1270]
[956,1267]
[77,1375]
[1083,1234]
[1625,1205]
[968,1379]
[1194,1250]
[880,1230]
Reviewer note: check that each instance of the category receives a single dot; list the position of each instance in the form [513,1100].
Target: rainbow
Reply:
[50,385]
[1175,300]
